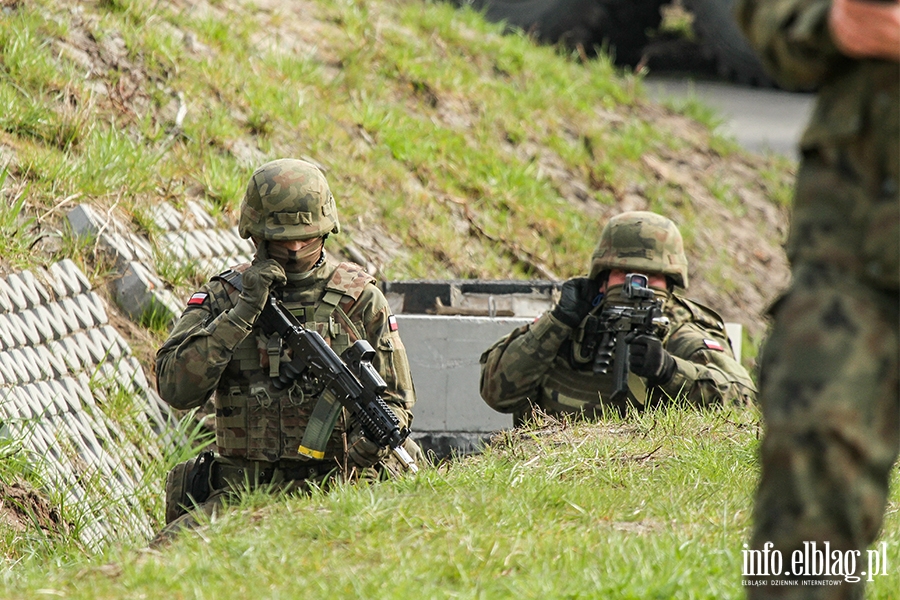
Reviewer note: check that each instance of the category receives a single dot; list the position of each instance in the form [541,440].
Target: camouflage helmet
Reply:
[644,242]
[288,199]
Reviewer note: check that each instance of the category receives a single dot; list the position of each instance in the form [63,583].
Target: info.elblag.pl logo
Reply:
[812,561]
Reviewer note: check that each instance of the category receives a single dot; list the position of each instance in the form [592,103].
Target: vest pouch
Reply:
[263,438]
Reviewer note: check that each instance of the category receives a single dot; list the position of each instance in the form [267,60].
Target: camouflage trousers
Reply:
[829,398]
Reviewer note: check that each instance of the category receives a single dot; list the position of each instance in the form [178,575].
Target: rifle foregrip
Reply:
[621,367]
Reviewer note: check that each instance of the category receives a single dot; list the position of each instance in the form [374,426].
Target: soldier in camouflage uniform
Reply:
[216,349]
[829,370]
[533,367]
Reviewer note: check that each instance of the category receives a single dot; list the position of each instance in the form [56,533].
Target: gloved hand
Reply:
[650,360]
[575,300]
[257,281]
[363,452]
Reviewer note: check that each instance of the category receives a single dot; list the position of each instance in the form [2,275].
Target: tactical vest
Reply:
[256,421]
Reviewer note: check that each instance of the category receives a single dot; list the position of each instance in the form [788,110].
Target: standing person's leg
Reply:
[830,406]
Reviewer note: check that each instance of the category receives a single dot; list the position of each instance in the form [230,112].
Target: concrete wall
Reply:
[443,354]
[63,368]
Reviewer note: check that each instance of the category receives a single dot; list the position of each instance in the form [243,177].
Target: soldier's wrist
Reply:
[230,330]
[549,323]
[683,373]
[243,314]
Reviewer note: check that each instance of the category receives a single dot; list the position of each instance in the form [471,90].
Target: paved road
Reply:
[759,119]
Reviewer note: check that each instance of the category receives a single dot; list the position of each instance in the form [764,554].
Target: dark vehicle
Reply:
[624,28]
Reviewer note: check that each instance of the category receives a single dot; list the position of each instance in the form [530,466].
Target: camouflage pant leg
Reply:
[829,396]
[200,514]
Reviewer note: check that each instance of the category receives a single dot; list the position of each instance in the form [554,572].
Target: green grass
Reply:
[653,506]
[457,143]
[387,94]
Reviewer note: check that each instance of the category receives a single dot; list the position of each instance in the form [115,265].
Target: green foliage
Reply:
[414,110]
[457,143]
[16,236]
[654,505]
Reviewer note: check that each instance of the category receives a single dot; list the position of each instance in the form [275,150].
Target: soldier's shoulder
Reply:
[350,279]
[222,285]
[690,310]
[231,275]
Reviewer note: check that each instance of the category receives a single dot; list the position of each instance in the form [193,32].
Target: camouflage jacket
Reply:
[851,218]
[531,367]
[208,353]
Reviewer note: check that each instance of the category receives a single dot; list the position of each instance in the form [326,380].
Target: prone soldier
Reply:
[565,363]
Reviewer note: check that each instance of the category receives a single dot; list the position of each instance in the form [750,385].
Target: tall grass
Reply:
[651,506]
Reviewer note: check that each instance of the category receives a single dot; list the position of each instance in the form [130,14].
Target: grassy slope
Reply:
[453,152]
[656,506]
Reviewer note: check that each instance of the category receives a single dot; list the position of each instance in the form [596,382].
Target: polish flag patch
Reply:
[392,323]
[713,345]
[197,299]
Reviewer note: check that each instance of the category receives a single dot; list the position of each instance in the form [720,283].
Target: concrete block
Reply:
[443,354]
[56,364]
[201,218]
[32,356]
[15,295]
[84,221]
[92,305]
[36,319]
[74,345]
[66,279]
[229,248]
[14,362]
[7,373]
[17,321]
[29,358]
[735,332]
[56,392]
[38,408]
[139,291]
[205,244]
[64,351]
[6,305]
[65,310]
[54,324]
[166,217]
[26,288]
[172,246]
[11,331]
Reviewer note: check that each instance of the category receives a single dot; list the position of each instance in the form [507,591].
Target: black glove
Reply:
[257,280]
[650,360]
[363,452]
[575,301]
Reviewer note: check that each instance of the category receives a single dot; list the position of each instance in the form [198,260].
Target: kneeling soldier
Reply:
[219,348]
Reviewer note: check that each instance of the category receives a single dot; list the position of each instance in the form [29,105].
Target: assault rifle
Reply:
[349,381]
[607,335]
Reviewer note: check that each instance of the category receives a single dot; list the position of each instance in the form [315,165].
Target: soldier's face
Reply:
[296,256]
[295,245]
[617,277]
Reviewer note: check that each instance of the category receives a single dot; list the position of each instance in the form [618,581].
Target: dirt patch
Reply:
[23,508]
